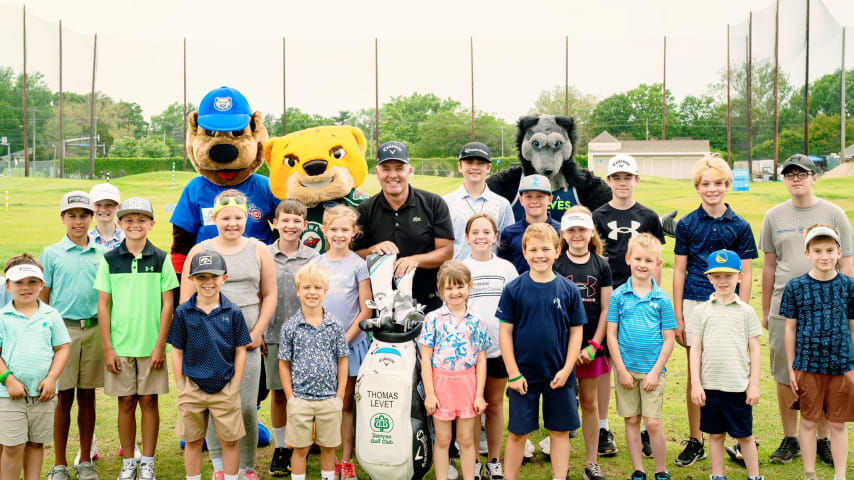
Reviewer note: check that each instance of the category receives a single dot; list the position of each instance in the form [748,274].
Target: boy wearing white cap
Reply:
[34,346]
[105,201]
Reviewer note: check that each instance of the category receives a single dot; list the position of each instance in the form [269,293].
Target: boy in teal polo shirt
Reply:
[34,350]
[69,272]
[135,282]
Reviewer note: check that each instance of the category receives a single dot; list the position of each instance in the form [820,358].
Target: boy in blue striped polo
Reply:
[724,363]
[641,331]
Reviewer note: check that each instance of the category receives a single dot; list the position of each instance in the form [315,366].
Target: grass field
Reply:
[32,222]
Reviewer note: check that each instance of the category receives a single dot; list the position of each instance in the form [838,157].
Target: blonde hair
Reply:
[22,259]
[595,245]
[291,207]
[821,237]
[341,211]
[646,241]
[540,231]
[715,163]
[452,272]
[312,273]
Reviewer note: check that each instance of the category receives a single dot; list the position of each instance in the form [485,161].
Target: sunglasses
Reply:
[231,202]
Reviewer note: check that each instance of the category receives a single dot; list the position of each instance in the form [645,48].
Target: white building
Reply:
[672,158]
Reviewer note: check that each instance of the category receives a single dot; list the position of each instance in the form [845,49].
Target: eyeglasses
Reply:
[232,201]
[798,175]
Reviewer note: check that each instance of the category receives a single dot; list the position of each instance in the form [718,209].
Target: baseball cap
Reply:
[723,261]
[622,163]
[208,261]
[105,191]
[799,160]
[821,231]
[535,183]
[136,205]
[224,110]
[75,199]
[392,151]
[576,219]
[475,150]
[24,270]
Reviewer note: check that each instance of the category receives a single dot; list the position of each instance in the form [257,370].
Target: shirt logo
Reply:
[556,301]
[616,231]
[223,104]
[416,219]
[149,268]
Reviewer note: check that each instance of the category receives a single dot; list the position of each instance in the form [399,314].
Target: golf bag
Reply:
[394,435]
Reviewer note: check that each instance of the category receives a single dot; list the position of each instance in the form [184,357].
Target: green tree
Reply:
[343,117]
[171,121]
[580,105]
[700,118]
[400,117]
[442,134]
[154,147]
[125,148]
[297,120]
[635,113]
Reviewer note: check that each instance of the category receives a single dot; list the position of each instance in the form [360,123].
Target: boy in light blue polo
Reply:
[69,274]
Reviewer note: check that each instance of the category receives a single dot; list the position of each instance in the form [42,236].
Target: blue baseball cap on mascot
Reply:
[224,110]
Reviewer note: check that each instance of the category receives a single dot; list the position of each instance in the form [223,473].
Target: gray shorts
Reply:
[26,420]
[271,366]
[777,348]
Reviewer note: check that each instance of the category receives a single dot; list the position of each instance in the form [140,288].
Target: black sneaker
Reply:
[645,446]
[822,450]
[662,476]
[789,449]
[281,463]
[638,475]
[593,472]
[693,451]
[607,447]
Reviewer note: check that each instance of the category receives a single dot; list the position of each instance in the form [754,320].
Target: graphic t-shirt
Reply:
[590,277]
[488,280]
[617,227]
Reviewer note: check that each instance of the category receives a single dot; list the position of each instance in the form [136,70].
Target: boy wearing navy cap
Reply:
[208,366]
[724,363]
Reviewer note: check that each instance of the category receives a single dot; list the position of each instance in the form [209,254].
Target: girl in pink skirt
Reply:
[453,368]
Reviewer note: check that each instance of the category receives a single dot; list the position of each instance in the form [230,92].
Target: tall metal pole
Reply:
[664,92]
[471,57]
[842,113]
[184,166]
[565,78]
[284,89]
[807,88]
[728,104]
[776,89]
[24,118]
[61,111]
[376,94]
[92,126]
[750,95]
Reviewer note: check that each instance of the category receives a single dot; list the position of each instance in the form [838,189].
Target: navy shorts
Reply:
[495,368]
[726,412]
[560,409]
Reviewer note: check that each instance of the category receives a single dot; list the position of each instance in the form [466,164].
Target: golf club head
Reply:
[378,324]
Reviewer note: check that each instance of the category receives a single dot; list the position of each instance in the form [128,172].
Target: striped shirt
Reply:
[69,272]
[724,329]
[463,205]
[641,322]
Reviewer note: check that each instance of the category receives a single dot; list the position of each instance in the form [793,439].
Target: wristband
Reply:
[3,376]
[590,351]
[517,378]
[595,345]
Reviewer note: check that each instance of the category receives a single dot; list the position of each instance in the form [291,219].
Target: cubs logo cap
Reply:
[76,199]
[392,151]
[799,160]
[820,231]
[105,191]
[24,270]
[208,261]
[622,163]
[723,261]
[576,219]
[475,150]
[136,205]
[224,110]
[535,183]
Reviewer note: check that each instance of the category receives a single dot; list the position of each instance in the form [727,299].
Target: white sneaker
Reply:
[452,470]
[146,471]
[529,449]
[93,452]
[494,471]
[477,469]
[128,472]
[546,446]
[137,455]
[484,447]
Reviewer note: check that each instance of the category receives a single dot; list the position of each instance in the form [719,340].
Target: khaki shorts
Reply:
[825,396]
[136,378]
[323,417]
[85,367]
[196,405]
[637,401]
[26,420]
[688,306]
[271,366]
[777,348]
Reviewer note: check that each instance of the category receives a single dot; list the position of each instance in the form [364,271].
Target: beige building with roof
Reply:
[672,158]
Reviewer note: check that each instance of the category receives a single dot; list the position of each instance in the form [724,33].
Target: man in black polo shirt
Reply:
[412,223]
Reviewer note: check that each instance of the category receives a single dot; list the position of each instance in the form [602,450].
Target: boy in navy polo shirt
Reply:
[208,366]
[535,194]
[712,226]
[542,318]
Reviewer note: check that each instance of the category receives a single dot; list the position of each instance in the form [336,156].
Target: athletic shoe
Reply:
[86,471]
[345,471]
[137,455]
[734,453]
[58,472]
[573,433]
[546,447]
[822,450]
[251,475]
[528,453]
[146,471]
[280,465]
[493,470]
[789,449]
[646,448]
[607,446]
[128,472]
[93,452]
[638,475]
[662,476]
[484,447]
[218,476]
[717,477]
[693,451]
[593,472]
[452,469]
[478,468]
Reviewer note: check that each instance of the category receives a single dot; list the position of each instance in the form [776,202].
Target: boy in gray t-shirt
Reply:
[782,241]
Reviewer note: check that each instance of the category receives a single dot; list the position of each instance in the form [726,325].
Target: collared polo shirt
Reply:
[313,353]
[135,284]
[463,205]
[413,227]
[112,242]
[641,322]
[28,344]
[510,243]
[287,301]
[5,296]
[69,272]
[698,234]
[209,350]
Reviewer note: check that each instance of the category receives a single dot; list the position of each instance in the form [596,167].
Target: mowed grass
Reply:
[32,222]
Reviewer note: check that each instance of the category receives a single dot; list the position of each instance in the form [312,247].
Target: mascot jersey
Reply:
[313,237]
[562,200]
[193,216]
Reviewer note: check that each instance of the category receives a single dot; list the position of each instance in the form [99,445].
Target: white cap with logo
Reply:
[622,163]
[75,199]
[105,191]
